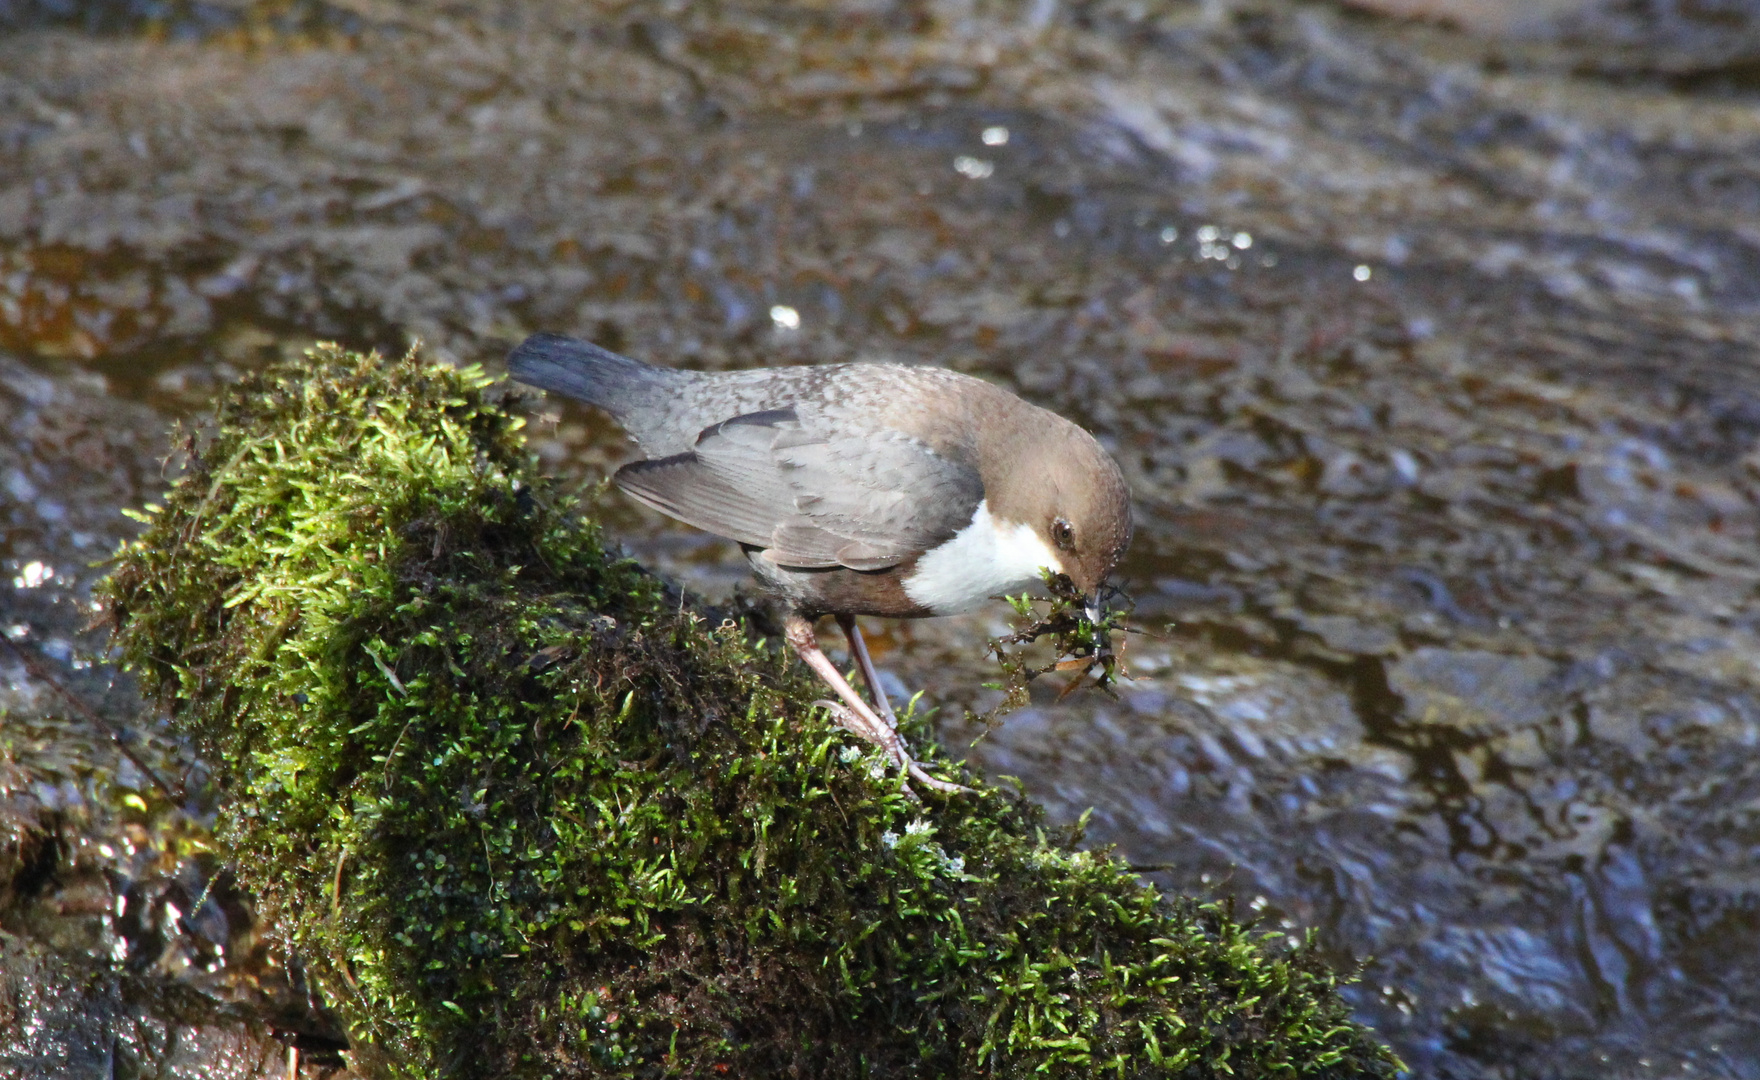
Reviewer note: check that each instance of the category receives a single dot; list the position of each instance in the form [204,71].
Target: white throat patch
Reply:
[983,559]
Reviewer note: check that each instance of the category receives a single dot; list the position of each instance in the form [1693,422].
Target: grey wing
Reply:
[810,498]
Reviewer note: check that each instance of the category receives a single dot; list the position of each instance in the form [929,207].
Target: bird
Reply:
[879,489]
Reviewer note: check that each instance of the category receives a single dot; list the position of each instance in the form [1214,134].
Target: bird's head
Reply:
[1070,492]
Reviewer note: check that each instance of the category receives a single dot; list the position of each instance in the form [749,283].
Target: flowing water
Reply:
[1428,349]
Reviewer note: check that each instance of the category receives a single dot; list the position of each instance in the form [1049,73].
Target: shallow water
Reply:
[1429,354]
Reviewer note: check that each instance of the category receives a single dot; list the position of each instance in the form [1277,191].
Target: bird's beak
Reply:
[1091,608]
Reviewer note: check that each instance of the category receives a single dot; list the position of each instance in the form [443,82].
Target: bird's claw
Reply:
[850,721]
[947,787]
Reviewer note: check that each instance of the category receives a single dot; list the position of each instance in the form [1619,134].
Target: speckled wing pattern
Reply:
[811,497]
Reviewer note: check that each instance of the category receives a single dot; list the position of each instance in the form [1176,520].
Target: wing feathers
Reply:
[682,487]
[769,480]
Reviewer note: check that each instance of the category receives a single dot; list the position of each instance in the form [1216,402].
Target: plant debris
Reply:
[1080,642]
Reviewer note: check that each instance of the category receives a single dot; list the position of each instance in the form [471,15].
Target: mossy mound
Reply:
[523,813]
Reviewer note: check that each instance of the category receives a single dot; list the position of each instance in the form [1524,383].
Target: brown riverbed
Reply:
[1427,347]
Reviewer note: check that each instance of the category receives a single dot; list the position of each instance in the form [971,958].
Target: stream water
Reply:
[1428,349]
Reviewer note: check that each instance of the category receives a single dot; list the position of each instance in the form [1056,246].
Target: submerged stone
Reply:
[523,812]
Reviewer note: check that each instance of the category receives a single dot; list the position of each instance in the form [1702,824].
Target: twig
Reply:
[37,671]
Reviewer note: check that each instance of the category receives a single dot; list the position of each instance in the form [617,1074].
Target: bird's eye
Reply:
[1063,534]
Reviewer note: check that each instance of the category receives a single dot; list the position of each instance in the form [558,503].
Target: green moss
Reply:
[521,812]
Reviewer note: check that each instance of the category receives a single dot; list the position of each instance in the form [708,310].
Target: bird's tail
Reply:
[584,371]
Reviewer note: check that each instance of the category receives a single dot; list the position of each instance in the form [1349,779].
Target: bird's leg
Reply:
[867,724]
[855,715]
[859,649]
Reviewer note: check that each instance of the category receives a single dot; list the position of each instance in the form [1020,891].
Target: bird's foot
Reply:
[946,787]
[887,740]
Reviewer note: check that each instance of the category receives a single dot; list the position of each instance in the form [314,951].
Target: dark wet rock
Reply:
[1478,693]
[124,948]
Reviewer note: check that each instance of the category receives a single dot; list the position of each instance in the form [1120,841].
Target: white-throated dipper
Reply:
[858,489]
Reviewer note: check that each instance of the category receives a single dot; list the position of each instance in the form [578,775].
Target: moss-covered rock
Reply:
[523,812]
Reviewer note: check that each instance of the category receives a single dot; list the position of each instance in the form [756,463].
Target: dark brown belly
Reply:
[840,590]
